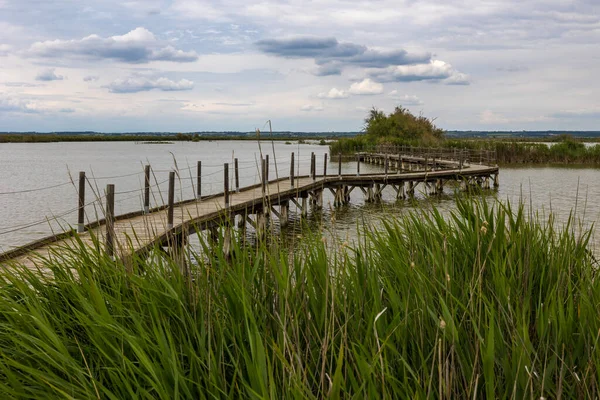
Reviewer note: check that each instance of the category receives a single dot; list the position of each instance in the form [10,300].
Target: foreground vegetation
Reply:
[484,303]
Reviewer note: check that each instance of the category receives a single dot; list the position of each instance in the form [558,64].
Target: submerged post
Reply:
[81,215]
[171,211]
[292,170]
[199,180]
[110,219]
[340,164]
[147,189]
[325,165]
[237,175]
[226,184]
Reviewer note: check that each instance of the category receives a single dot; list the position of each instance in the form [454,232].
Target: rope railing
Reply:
[37,189]
[224,181]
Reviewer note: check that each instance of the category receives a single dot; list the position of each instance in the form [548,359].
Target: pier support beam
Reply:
[261,224]
[496,181]
[284,209]
[304,212]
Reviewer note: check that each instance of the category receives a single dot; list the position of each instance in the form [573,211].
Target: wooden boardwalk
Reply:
[140,232]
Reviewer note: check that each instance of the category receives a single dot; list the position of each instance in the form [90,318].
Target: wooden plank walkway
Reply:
[140,232]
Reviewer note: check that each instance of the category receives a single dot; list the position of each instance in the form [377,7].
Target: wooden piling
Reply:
[81,197]
[358,165]
[325,164]
[340,164]
[199,180]
[267,169]
[313,166]
[147,189]
[171,210]
[263,179]
[292,169]
[237,175]
[226,184]
[110,220]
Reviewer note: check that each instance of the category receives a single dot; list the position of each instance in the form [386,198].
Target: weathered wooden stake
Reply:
[237,175]
[284,208]
[263,179]
[387,163]
[110,219]
[81,215]
[266,169]
[358,165]
[199,181]
[325,164]
[292,169]
[226,184]
[147,189]
[313,166]
[171,210]
[340,164]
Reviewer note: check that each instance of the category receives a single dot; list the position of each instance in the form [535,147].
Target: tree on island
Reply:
[401,124]
[398,127]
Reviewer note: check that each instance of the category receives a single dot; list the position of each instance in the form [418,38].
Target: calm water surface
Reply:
[26,216]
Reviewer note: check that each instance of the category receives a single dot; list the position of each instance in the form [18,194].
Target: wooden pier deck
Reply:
[142,231]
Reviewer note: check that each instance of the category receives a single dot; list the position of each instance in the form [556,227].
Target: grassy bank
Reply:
[484,303]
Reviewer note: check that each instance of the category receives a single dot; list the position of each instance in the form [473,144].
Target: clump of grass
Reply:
[484,303]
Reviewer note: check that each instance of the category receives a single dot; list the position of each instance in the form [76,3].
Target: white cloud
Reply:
[137,46]
[333,94]
[366,87]
[311,107]
[12,104]
[4,49]
[138,83]
[48,75]
[490,117]
[436,70]
[405,100]
[90,78]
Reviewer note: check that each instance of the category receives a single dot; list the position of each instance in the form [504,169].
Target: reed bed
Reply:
[484,303]
[507,151]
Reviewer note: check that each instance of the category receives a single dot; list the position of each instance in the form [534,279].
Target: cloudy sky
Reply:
[191,65]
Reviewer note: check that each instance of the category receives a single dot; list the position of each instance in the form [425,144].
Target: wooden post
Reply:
[81,215]
[266,169]
[339,164]
[226,184]
[325,165]
[199,181]
[292,170]
[387,162]
[110,219]
[147,189]
[263,178]
[237,175]
[171,210]
[284,208]
[358,165]
[313,166]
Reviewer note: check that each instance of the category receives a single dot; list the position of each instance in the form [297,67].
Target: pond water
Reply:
[27,214]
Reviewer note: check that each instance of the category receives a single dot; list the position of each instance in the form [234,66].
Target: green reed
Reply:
[484,302]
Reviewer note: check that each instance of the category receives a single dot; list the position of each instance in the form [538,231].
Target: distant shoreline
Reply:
[155,139]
